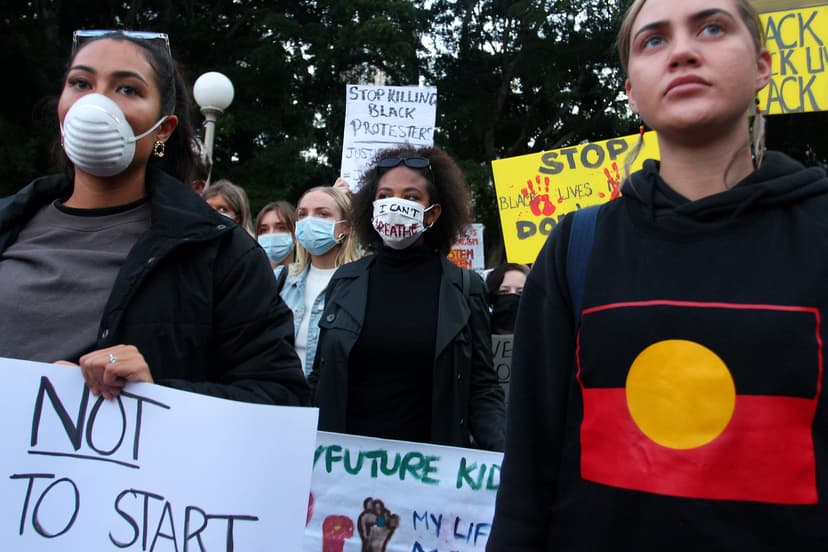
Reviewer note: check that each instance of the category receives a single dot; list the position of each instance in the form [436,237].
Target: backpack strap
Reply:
[579,249]
[466,284]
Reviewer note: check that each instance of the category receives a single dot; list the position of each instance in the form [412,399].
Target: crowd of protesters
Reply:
[651,333]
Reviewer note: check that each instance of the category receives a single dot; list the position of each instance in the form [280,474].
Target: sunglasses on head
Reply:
[418,163]
[79,38]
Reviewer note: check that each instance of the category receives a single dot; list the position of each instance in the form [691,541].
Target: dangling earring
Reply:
[159,148]
[757,132]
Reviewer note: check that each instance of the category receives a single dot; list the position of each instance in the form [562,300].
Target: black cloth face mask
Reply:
[504,311]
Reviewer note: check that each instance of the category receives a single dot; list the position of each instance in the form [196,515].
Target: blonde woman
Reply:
[680,407]
[323,243]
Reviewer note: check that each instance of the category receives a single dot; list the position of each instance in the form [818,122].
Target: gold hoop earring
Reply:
[159,148]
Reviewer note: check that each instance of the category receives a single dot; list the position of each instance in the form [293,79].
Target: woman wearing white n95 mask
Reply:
[116,266]
[323,243]
[405,349]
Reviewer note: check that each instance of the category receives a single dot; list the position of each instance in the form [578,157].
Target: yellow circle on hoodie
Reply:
[680,393]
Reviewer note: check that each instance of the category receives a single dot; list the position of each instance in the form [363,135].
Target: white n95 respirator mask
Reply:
[97,138]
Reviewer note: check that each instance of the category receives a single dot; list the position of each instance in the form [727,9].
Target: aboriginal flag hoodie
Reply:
[683,408]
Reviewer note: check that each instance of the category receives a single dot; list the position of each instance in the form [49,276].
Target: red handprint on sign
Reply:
[540,204]
[613,182]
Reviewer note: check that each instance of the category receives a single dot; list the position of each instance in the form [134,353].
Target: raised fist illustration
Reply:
[376,524]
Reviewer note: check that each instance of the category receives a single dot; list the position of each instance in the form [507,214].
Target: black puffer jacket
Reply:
[195,295]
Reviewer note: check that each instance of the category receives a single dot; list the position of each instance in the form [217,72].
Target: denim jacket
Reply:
[293,294]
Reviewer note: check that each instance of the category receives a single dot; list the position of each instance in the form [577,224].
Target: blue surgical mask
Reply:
[277,245]
[316,234]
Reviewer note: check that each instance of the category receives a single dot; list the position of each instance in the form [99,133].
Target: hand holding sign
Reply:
[106,371]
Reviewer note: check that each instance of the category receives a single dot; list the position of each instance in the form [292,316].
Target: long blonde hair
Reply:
[348,246]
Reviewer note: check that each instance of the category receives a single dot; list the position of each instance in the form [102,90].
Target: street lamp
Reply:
[213,92]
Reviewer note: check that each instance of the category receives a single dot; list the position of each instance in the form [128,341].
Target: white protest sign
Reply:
[394,496]
[380,117]
[156,469]
[467,251]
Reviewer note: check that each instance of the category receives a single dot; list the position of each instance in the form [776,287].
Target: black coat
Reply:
[195,295]
[466,397]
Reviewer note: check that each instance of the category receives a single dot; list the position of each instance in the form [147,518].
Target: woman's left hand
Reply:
[106,371]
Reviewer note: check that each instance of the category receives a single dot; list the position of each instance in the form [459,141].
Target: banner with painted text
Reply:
[535,191]
[380,117]
[798,43]
[393,496]
[155,469]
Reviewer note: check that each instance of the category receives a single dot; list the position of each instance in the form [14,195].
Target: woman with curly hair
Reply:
[404,349]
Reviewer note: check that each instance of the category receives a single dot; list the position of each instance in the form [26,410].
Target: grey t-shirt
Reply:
[56,278]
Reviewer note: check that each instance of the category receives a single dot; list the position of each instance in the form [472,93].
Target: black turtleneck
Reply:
[390,365]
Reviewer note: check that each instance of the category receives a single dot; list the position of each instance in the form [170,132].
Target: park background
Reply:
[513,78]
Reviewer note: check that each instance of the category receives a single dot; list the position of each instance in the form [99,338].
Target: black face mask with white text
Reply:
[504,311]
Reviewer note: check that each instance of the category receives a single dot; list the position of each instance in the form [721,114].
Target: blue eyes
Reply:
[653,41]
[710,29]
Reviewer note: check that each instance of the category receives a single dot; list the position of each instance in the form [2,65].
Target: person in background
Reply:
[275,226]
[405,350]
[201,167]
[117,267]
[231,201]
[675,401]
[505,285]
[324,242]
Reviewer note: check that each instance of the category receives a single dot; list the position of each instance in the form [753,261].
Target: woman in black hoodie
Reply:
[668,359]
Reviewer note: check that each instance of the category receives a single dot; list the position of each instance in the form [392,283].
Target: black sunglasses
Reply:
[418,163]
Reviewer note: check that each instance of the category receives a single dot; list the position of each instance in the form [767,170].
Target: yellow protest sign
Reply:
[798,43]
[535,191]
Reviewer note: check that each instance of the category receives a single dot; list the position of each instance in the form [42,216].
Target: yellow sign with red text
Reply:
[535,191]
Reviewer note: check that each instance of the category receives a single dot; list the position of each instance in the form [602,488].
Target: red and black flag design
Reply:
[701,400]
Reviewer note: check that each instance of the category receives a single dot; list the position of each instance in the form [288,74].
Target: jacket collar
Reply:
[453,307]
[176,211]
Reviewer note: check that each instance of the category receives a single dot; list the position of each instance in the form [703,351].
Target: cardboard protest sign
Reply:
[502,359]
[535,191]
[798,43]
[156,469]
[380,117]
[468,251]
[393,496]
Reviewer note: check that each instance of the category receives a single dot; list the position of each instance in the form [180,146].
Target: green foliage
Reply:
[513,77]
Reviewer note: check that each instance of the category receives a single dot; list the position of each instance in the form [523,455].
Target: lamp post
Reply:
[213,92]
